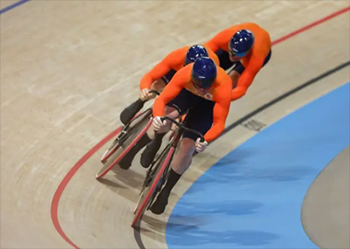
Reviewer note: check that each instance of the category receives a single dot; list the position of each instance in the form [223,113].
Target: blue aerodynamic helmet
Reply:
[195,52]
[241,43]
[204,72]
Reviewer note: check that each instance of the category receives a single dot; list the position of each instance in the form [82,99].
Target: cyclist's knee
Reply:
[158,85]
[234,77]
[187,146]
[183,158]
[171,112]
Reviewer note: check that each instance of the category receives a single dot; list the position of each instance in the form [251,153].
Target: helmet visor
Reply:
[239,55]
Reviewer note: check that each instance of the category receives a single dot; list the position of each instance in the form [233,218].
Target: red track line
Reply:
[79,164]
[311,25]
[65,181]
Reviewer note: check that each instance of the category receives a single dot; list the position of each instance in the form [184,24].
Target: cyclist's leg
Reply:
[224,58]
[161,83]
[152,147]
[236,72]
[167,78]
[180,104]
[130,111]
[126,162]
[158,85]
[234,68]
[199,118]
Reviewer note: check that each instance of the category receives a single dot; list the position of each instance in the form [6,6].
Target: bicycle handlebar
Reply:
[184,127]
[154,91]
[149,91]
[177,123]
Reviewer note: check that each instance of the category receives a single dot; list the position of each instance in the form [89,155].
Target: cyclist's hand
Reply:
[158,123]
[200,146]
[145,94]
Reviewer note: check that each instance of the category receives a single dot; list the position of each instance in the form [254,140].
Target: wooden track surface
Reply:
[69,67]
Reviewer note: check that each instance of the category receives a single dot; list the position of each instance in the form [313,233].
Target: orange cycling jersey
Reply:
[253,62]
[175,60]
[219,92]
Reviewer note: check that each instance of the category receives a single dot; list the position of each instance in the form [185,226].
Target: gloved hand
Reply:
[158,123]
[145,94]
[200,146]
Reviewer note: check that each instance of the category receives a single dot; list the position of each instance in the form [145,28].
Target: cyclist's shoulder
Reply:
[223,85]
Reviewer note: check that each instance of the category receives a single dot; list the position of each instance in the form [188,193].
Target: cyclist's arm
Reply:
[247,77]
[220,40]
[220,112]
[170,62]
[173,88]
[158,71]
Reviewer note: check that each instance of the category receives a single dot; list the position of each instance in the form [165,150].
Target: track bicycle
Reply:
[157,173]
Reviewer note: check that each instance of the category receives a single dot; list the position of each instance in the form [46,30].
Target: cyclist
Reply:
[156,79]
[162,73]
[203,91]
[245,46]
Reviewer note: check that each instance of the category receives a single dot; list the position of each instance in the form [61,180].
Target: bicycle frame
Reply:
[172,143]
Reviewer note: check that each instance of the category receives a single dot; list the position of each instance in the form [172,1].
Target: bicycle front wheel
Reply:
[114,146]
[158,171]
[126,141]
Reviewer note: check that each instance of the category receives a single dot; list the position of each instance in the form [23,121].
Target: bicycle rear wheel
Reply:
[147,194]
[126,141]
